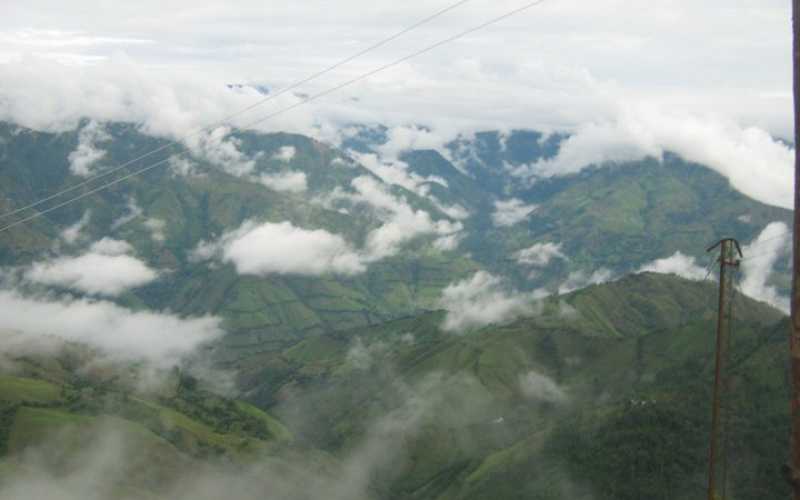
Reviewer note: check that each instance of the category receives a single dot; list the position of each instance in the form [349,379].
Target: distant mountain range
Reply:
[482,326]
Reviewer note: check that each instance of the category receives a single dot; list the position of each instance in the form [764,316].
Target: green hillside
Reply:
[602,393]
[597,394]
[617,366]
[53,407]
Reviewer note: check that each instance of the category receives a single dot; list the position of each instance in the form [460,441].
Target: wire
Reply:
[756,256]
[397,62]
[84,195]
[242,111]
[710,267]
[762,242]
[289,108]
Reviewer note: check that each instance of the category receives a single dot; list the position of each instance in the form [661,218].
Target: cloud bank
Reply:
[538,387]
[161,338]
[679,264]
[581,279]
[105,269]
[540,254]
[482,300]
[581,81]
[282,248]
[290,182]
[510,212]
[87,153]
[754,162]
[73,233]
[761,255]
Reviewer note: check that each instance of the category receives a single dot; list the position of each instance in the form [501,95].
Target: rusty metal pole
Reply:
[727,259]
[794,338]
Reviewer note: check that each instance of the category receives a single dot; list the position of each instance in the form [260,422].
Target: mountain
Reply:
[603,393]
[540,408]
[204,205]
[62,407]
[326,268]
[614,215]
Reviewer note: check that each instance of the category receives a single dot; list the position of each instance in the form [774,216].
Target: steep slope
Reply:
[67,404]
[613,216]
[601,393]
[205,195]
[529,409]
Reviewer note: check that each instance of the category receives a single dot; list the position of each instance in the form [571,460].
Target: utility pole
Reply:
[716,462]
[794,338]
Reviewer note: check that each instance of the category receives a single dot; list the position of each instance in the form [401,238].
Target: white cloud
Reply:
[448,243]
[73,233]
[759,261]
[161,338]
[403,138]
[540,387]
[755,164]
[455,212]
[579,279]
[285,153]
[134,211]
[110,246]
[157,229]
[220,149]
[282,248]
[510,212]
[291,182]
[394,171]
[540,254]
[87,154]
[402,222]
[620,84]
[180,166]
[105,269]
[482,300]
[679,264]
[362,356]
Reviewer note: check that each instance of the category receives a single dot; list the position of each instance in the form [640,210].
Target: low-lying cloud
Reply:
[510,212]
[283,248]
[220,149]
[538,387]
[88,153]
[679,264]
[285,153]
[290,182]
[482,300]
[107,268]
[581,279]
[161,338]
[760,257]
[755,163]
[540,254]
[401,223]
[73,233]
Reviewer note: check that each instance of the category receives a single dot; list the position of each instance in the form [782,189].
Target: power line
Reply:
[758,244]
[243,110]
[398,61]
[293,106]
[756,256]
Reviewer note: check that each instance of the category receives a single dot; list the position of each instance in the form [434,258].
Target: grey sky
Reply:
[676,51]
[630,78]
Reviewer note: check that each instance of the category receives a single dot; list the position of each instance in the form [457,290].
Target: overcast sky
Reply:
[710,80]
[731,58]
